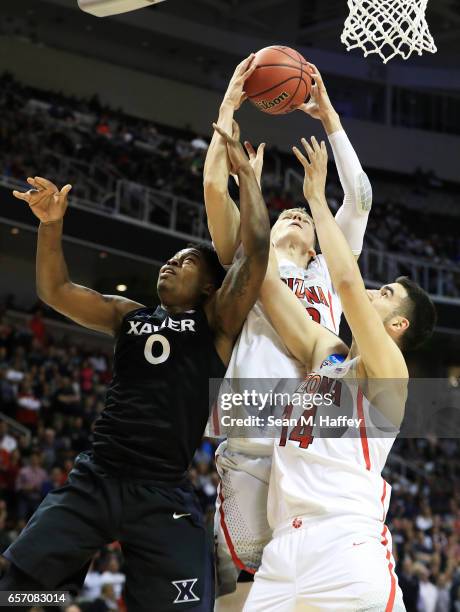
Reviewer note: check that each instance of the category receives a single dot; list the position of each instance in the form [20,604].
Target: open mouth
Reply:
[296,223]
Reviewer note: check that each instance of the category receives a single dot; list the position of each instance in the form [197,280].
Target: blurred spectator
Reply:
[428,591]
[106,601]
[5,537]
[7,392]
[28,406]
[443,600]
[65,398]
[56,479]
[113,577]
[49,447]
[409,584]
[37,326]
[93,584]
[29,484]
[7,442]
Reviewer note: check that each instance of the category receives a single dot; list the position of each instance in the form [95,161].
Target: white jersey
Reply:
[313,286]
[331,476]
[259,352]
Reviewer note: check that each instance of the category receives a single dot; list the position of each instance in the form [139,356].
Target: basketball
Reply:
[281,82]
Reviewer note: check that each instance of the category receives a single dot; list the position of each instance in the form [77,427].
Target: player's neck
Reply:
[172,309]
[293,252]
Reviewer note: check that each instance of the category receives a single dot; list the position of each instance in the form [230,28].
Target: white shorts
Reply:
[241,529]
[332,564]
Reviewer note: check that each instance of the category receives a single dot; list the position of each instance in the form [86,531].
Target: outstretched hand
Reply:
[315,167]
[235,94]
[45,200]
[319,104]
[236,154]
[256,158]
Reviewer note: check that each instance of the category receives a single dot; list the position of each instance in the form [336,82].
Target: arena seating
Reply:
[93,146]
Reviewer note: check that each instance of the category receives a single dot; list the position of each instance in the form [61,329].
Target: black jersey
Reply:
[158,403]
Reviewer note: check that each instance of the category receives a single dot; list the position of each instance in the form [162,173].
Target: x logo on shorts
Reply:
[185,588]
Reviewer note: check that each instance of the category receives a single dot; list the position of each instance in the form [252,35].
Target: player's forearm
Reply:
[254,224]
[353,214]
[331,121]
[51,269]
[216,168]
[288,316]
[340,260]
[222,213]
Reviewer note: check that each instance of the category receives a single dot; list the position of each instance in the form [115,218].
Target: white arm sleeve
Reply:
[353,214]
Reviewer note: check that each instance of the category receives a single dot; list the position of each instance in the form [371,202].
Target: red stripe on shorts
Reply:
[391,599]
[215,419]
[236,560]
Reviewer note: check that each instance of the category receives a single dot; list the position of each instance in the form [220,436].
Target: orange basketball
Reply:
[281,82]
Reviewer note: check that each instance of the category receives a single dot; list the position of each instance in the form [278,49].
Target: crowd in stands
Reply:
[55,390]
[39,130]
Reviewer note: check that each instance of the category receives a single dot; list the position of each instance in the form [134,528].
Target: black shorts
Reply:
[167,557]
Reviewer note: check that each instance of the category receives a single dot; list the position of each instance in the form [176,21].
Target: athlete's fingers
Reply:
[308,149]
[249,149]
[65,190]
[223,133]
[250,70]
[242,66]
[316,74]
[261,149]
[324,149]
[315,144]
[45,183]
[235,130]
[34,183]
[301,157]
[20,195]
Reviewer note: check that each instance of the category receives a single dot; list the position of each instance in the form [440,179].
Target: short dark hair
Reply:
[212,262]
[421,313]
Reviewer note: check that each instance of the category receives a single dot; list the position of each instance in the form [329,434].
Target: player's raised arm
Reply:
[84,306]
[222,212]
[353,215]
[241,286]
[308,341]
[366,325]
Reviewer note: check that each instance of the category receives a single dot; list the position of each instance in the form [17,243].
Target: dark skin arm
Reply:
[231,304]
[89,308]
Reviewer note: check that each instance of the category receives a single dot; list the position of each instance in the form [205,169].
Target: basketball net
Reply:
[388,28]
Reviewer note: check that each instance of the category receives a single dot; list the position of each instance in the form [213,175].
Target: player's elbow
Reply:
[50,295]
[214,188]
[260,246]
[346,282]
[44,294]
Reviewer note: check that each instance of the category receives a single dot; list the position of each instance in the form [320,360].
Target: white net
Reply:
[388,28]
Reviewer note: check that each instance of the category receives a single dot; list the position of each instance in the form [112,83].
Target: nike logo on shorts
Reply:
[358,544]
[178,516]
